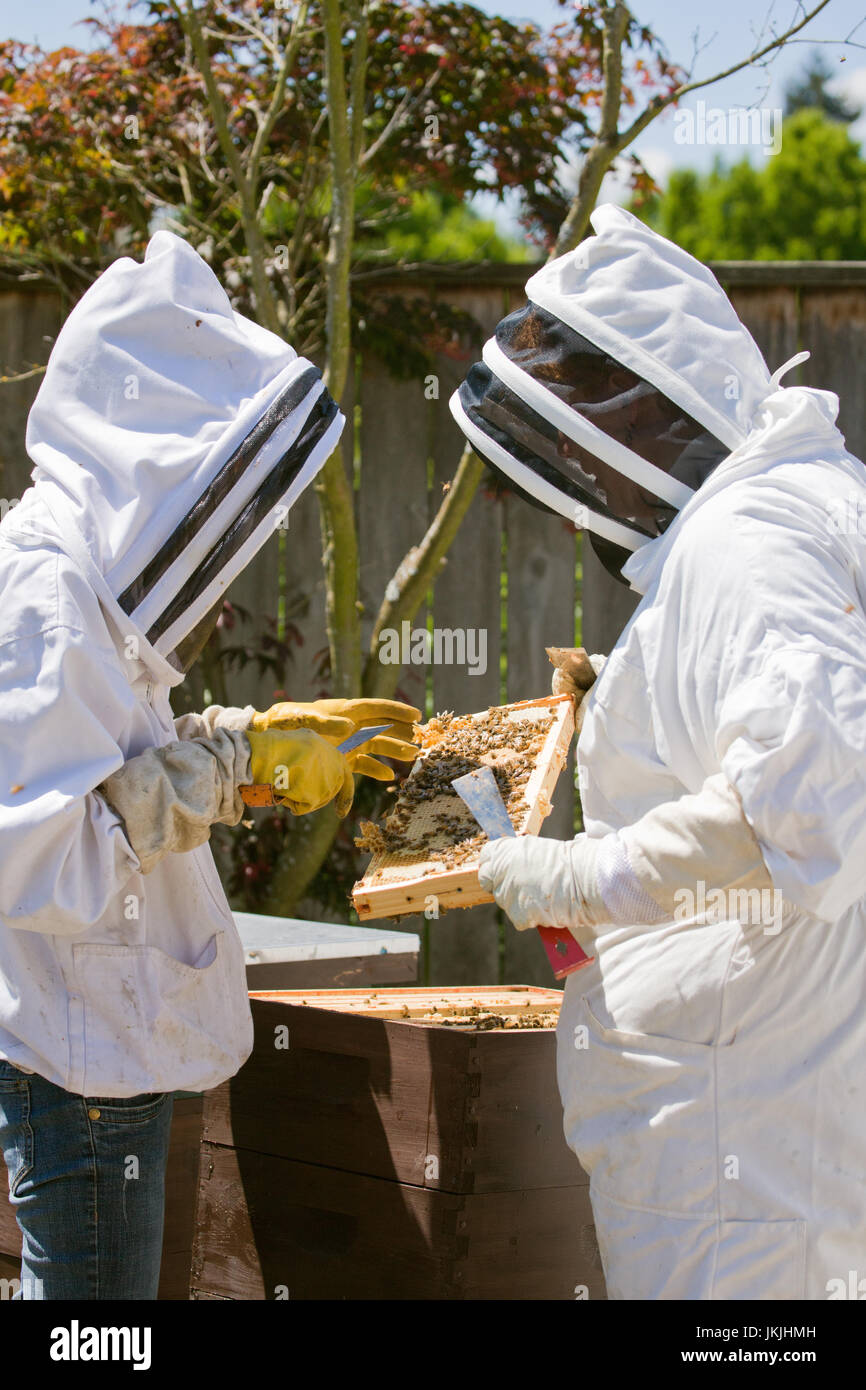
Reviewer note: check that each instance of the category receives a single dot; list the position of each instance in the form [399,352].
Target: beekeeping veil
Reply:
[171,436]
[618,389]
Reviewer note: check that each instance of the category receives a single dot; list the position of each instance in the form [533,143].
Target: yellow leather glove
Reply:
[304,769]
[335,720]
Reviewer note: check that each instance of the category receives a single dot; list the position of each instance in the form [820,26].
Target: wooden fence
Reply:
[513,574]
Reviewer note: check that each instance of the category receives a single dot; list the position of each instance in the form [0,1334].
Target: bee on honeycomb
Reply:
[451,746]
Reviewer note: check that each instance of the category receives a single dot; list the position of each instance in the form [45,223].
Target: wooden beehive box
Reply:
[430,842]
[366,1151]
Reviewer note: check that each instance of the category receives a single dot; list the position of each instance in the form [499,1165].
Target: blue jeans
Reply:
[87,1181]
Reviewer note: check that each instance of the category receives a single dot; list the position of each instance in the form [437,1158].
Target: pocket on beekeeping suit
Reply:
[146,1011]
[617,1086]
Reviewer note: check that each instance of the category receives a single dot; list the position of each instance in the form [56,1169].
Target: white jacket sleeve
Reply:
[794,746]
[215,717]
[77,819]
[700,838]
[64,852]
[782,707]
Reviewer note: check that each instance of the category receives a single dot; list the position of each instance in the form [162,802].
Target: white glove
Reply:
[581,882]
[545,883]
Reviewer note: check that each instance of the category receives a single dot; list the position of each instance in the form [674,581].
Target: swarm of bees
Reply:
[430,822]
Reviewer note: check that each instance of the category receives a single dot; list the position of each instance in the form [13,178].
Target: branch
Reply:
[185,185]
[338,258]
[418,569]
[49,258]
[610,142]
[309,181]
[252,29]
[405,105]
[357,79]
[275,106]
[188,18]
[335,494]
[605,146]
[266,304]
[661,103]
[24,376]
[265,198]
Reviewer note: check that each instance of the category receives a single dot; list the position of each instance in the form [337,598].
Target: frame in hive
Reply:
[430,843]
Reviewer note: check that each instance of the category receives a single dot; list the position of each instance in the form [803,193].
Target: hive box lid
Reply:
[274,940]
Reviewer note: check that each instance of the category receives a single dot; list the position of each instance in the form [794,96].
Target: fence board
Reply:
[304,575]
[464,947]
[771,313]
[392,510]
[29,323]
[305,597]
[392,503]
[540,612]
[833,328]
[256,590]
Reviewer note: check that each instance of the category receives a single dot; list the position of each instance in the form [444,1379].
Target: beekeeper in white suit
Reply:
[170,436]
[710,1058]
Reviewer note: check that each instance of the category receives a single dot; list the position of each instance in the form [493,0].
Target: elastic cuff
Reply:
[626,901]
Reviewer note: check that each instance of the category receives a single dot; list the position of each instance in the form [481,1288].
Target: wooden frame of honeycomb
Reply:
[483,1008]
[428,847]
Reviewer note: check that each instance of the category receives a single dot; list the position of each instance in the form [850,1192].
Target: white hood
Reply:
[663,314]
[169,436]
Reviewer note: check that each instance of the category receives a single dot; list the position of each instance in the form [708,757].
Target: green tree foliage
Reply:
[439,227]
[808,202]
[455,102]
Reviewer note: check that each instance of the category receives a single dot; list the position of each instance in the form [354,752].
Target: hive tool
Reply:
[479,791]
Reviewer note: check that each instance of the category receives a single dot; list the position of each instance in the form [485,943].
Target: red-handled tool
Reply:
[479,791]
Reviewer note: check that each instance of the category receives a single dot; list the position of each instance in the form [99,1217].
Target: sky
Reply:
[705,39]
[702,38]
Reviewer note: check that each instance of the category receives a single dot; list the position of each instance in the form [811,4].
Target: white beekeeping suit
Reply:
[170,436]
[710,1059]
